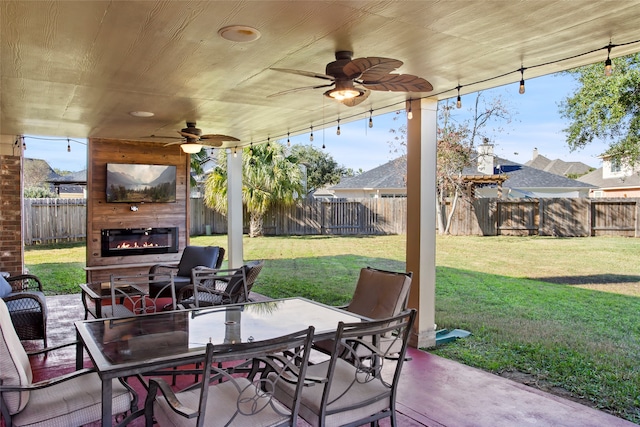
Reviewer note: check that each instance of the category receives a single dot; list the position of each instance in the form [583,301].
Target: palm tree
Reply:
[268,176]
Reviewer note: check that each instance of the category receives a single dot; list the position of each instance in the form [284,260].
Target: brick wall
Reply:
[11,251]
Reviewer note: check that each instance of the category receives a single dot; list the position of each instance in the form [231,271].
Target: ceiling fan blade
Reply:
[174,143]
[188,135]
[298,89]
[398,83]
[374,66]
[162,137]
[352,102]
[214,138]
[303,73]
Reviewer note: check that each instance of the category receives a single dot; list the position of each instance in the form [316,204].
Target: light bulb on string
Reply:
[521,90]
[409,112]
[338,129]
[268,142]
[288,140]
[370,118]
[24,143]
[251,149]
[459,100]
[311,135]
[608,68]
[235,151]
[68,146]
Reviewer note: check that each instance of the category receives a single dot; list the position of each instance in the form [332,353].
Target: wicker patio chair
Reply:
[130,294]
[70,400]
[27,307]
[355,390]
[226,396]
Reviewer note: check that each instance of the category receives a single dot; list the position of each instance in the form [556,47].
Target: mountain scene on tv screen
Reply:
[141,183]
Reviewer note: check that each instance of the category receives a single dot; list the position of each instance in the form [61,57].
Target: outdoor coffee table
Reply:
[119,347]
[94,293]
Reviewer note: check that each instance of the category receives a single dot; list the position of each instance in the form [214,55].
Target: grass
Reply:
[535,305]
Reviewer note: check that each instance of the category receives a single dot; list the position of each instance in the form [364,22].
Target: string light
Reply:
[24,143]
[459,100]
[608,68]
[311,135]
[235,151]
[251,149]
[68,146]
[371,118]
[288,140]
[521,90]
[269,142]
[409,112]
[338,129]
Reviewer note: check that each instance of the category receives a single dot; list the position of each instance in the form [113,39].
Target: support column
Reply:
[421,218]
[234,209]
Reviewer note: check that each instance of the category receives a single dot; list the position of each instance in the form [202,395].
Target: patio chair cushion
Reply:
[16,369]
[379,293]
[194,256]
[5,287]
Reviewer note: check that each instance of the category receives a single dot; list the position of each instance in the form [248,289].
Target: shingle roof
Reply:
[595,178]
[557,166]
[390,175]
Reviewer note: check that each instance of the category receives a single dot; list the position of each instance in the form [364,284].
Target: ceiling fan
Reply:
[353,79]
[195,140]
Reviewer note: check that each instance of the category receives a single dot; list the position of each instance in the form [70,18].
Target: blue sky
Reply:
[536,124]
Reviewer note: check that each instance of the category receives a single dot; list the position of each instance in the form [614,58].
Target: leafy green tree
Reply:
[268,176]
[606,108]
[322,169]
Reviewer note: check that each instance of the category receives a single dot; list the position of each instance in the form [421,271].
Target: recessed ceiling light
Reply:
[239,33]
[141,113]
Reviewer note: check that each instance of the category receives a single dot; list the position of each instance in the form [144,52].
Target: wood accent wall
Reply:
[102,215]
[11,249]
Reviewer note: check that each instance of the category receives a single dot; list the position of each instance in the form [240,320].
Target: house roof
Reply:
[390,175]
[595,179]
[557,166]
[522,176]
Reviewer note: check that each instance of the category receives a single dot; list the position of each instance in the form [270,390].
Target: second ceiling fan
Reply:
[353,79]
[195,140]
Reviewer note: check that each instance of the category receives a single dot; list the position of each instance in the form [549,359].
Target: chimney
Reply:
[535,154]
[485,158]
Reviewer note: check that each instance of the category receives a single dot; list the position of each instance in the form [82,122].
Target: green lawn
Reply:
[535,306]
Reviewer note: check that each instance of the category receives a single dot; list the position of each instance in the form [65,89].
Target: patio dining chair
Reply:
[69,400]
[27,306]
[353,391]
[226,396]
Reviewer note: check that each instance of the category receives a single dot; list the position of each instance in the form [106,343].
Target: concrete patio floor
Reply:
[433,391]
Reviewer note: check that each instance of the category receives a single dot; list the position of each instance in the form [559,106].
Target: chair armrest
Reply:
[156,384]
[159,267]
[46,383]
[22,278]
[52,348]
[34,295]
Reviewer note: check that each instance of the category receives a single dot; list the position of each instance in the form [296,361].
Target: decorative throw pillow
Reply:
[5,287]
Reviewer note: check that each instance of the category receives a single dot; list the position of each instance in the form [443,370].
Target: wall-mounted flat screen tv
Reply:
[135,183]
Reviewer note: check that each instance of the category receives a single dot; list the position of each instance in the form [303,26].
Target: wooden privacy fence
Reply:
[54,220]
[563,217]
[312,217]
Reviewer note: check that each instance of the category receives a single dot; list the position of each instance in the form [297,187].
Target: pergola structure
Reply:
[79,69]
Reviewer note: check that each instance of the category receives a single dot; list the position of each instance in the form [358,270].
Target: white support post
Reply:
[234,211]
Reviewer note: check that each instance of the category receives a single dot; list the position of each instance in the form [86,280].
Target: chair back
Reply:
[194,256]
[359,386]
[380,293]
[15,368]
[226,398]
[130,294]
[218,286]
[253,270]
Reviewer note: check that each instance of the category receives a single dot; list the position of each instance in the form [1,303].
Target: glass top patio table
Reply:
[121,347]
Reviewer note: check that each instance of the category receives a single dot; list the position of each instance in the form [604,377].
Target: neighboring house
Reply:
[388,180]
[72,186]
[558,167]
[614,179]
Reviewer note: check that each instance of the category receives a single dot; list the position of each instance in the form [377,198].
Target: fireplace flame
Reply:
[134,245]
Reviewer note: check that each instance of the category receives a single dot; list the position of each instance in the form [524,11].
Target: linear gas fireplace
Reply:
[139,241]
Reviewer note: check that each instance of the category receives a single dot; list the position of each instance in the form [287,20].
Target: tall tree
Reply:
[606,108]
[322,169]
[456,139]
[268,176]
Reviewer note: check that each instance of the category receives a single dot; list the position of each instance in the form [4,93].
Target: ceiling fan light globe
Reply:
[191,148]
